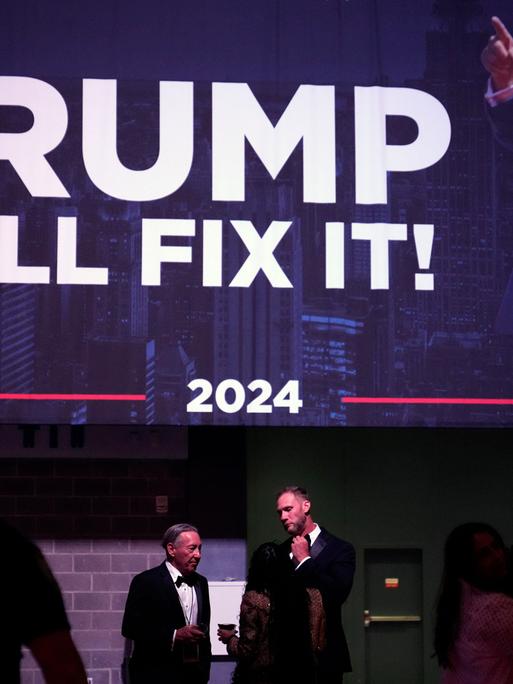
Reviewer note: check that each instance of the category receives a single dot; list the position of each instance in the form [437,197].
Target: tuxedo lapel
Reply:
[200,599]
[319,545]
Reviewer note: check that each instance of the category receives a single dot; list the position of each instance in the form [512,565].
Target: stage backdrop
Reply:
[285,212]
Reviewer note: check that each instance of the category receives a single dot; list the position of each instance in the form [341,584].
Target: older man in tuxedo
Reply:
[167,615]
[325,562]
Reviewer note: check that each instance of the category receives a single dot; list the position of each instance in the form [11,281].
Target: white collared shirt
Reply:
[495,97]
[314,534]
[187,596]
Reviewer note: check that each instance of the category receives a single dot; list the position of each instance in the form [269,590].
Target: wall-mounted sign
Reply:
[391,582]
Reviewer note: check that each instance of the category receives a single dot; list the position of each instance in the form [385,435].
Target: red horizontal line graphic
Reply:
[74,397]
[424,400]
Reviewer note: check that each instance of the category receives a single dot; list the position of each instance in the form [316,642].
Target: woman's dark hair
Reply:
[271,573]
[459,563]
[269,569]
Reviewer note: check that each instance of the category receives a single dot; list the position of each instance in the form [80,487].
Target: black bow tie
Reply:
[189,579]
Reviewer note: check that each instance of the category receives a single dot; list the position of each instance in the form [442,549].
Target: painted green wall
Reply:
[385,488]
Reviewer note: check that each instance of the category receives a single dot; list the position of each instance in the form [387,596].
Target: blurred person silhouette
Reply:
[474,614]
[282,624]
[33,614]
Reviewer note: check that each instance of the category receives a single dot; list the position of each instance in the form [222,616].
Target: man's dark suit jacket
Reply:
[501,119]
[152,613]
[330,569]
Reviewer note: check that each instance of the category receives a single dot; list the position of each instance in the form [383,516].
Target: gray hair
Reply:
[172,533]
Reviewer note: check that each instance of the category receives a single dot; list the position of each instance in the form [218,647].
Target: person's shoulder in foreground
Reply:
[33,614]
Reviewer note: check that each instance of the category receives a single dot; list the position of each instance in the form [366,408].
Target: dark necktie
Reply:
[307,537]
[190,580]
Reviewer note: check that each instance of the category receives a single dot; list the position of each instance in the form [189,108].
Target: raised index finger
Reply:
[502,32]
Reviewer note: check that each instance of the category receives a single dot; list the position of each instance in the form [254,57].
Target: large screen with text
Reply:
[296,212]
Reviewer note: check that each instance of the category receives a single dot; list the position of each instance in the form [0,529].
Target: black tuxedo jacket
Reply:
[330,569]
[152,613]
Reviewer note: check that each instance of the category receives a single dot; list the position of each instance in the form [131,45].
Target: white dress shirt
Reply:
[187,596]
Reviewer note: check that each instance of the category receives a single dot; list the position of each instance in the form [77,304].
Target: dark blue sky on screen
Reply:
[322,41]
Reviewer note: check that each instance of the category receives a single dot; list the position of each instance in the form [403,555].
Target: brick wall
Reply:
[97,524]
[79,498]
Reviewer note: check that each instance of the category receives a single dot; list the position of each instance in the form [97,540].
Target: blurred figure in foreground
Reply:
[474,616]
[282,624]
[33,614]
